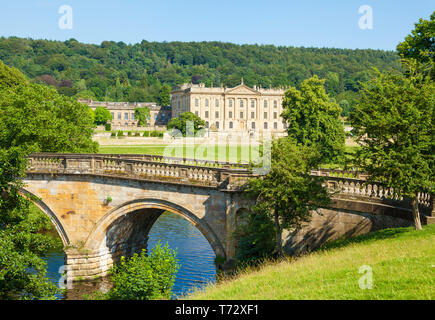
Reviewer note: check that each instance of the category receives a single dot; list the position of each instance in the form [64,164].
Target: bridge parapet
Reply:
[353,185]
[347,184]
[159,169]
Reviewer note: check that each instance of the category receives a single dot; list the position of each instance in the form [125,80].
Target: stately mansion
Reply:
[231,109]
[123,113]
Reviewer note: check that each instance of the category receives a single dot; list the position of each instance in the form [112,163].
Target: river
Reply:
[195,255]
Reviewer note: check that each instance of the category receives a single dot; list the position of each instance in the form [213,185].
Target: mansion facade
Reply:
[123,113]
[232,109]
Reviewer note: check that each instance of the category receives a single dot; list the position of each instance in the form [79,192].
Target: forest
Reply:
[146,71]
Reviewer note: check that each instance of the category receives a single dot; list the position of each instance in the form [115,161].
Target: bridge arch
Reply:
[97,237]
[50,213]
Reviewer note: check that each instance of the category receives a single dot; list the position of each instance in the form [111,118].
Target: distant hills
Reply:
[145,71]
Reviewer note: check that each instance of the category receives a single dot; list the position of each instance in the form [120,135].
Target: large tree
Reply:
[32,118]
[142,115]
[102,115]
[394,125]
[313,119]
[187,123]
[288,193]
[420,44]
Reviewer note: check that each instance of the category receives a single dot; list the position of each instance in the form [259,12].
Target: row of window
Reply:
[126,115]
[265,125]
[230,103]
[230,115]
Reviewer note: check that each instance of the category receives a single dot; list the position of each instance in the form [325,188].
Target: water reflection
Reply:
[195,255]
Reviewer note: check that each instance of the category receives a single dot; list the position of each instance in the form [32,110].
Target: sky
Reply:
[308,23]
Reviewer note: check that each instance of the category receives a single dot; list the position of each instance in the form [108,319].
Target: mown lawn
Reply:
[219,152]
[402,261]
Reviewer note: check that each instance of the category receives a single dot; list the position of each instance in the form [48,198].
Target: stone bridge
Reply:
[103,206]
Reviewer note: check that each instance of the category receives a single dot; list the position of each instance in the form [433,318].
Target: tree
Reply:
[313,119]
[20,243]
[393,124]
[163,98]
[288,193]
[255,236]
[142,115]
[181,123]
[420,44]
[145,277]
[33,118]
[102,115]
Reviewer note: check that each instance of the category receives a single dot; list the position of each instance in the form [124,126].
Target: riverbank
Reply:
[401,262]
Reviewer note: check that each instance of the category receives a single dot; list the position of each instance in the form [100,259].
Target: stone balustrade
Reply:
[148,167]
[345,183]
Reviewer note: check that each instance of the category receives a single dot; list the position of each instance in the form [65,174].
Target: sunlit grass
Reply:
[402,262]
[223,153]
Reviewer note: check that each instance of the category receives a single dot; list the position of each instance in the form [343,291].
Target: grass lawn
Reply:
[222,153]
[402,262]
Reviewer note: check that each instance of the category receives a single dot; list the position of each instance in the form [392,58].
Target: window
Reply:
[206,124]
[126,116]
[132,117]
[265,125]
[230,103]
[206,114]
[241,115]
[253,125]
[113,115]
[252,115]
[119,116]
[275,125]
[206,102]
[275,104]
[196,113]
[179,103]
[230,114]
[217,124]
[217,103]
[265,103]
[284,125]
[231,124]
[196,103]
[252,103]
[265,115]
[216,114]
[275,115]
[241,103]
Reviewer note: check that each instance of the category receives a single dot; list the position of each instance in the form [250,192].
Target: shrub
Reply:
[154,134]
[108,126]
[146,133]
[137,134]
[255,238]
[120,133]
[145,277]
[113,134]
[129,133]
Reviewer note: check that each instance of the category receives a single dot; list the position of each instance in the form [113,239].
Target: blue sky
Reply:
[309,23]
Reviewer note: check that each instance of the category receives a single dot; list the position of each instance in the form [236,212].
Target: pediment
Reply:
[242,89]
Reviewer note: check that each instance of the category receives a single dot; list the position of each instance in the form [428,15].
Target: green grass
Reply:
[220,152]
[402,262]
